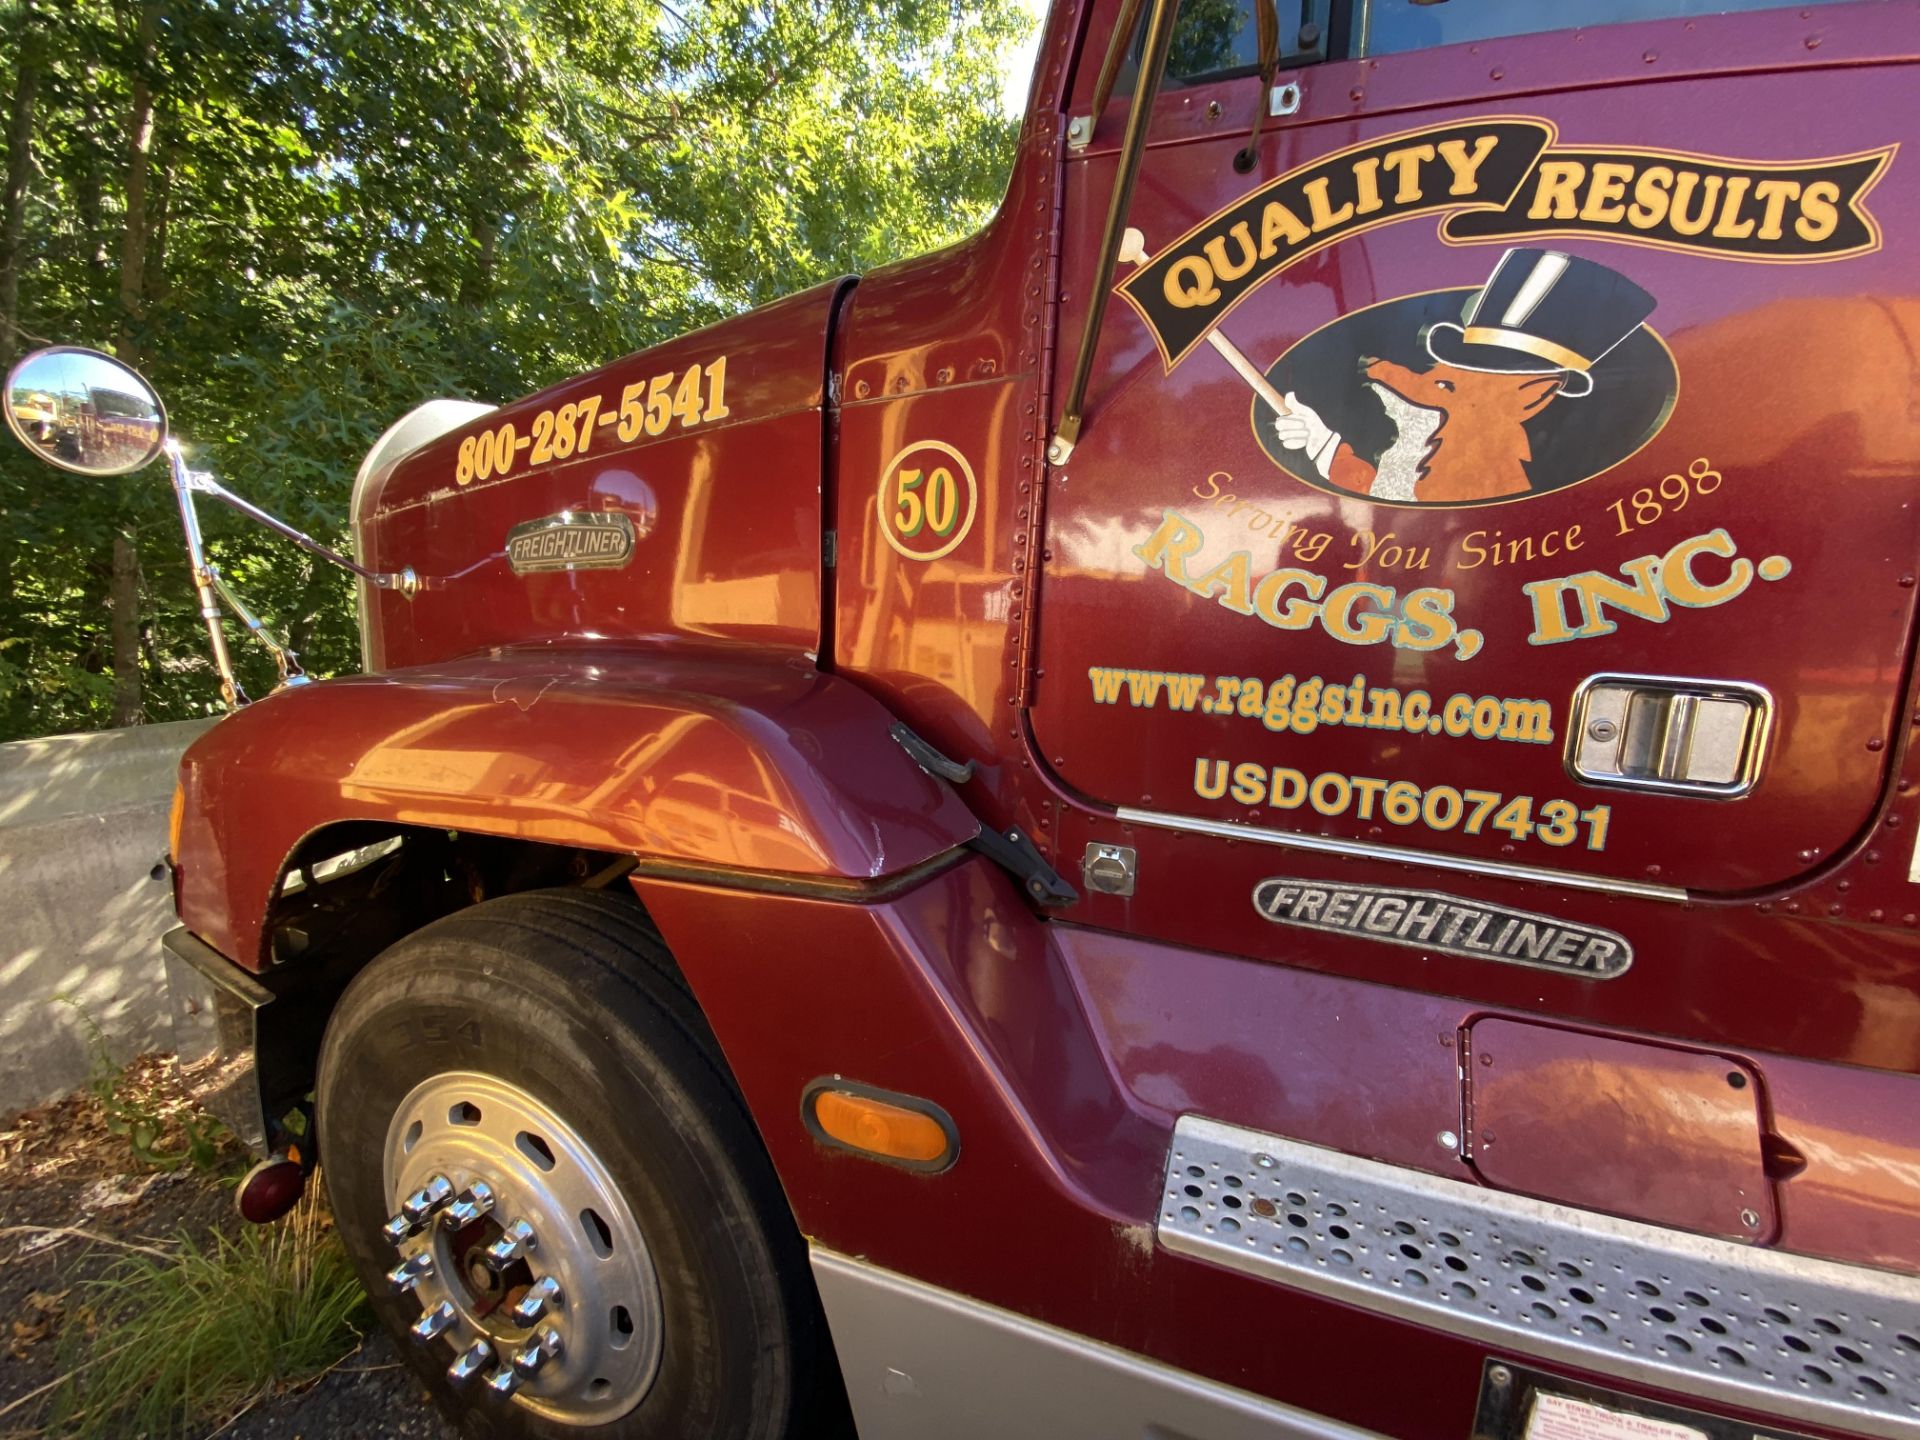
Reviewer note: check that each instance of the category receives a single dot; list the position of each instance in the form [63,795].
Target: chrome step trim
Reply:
[1400,855]
[1749,1327]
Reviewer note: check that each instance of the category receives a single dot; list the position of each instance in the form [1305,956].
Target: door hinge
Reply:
[1018,855]
[830,548]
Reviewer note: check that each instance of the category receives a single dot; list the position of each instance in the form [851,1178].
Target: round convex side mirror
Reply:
[84,411]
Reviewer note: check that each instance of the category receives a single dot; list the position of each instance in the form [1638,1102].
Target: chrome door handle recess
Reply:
[1678,736]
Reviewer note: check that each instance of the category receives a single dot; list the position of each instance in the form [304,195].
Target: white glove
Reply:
[1303,429]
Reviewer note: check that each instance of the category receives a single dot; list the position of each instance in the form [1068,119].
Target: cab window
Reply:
[1388,26]
[1220,39]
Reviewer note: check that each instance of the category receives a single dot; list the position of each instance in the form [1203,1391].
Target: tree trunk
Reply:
[138,235]
[13,209]
[476,285]
[154,290]
[123,617]
[123,592]
[87,202]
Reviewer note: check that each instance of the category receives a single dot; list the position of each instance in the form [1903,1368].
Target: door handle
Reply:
[1706,738]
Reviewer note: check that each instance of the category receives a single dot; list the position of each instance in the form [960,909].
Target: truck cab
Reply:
[1255,803]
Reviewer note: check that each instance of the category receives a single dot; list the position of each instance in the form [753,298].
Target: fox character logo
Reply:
[1460,434]
[1528,338]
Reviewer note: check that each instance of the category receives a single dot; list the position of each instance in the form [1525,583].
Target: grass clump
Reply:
[143,1118]
[162,1345]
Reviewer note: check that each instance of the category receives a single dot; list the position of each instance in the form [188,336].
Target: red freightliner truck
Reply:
[1273,799]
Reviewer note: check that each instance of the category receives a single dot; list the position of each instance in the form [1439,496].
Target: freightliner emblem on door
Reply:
[571,540]
[1422,920]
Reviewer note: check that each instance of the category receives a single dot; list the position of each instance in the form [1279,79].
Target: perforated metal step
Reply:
[1780,1334]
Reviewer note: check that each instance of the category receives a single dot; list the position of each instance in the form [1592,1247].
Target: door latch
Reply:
[1681,737]
[1110,869]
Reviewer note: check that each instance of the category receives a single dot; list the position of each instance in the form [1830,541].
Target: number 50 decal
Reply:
[927,501]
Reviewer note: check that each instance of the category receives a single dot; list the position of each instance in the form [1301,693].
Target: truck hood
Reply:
[673,493]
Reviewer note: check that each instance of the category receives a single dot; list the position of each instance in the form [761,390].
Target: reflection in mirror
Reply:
[84,411]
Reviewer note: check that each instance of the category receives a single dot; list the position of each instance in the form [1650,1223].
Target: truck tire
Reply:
[536,1061]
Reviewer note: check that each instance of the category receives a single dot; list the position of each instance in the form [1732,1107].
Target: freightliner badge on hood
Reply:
[1422,920]
[571,540]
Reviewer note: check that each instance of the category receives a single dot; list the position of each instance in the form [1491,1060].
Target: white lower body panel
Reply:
[923,1363]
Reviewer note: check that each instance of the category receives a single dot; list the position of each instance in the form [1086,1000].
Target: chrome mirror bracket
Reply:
[212,588]
[184,485]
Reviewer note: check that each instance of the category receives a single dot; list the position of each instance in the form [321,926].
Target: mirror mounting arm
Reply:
[1123,27]
[284,659]
[1153,64]
[203,574]
[212,587]
[201,483]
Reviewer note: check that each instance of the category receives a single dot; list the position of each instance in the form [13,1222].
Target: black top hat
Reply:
[1542,311]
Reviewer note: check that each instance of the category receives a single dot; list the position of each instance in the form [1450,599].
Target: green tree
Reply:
[303,220]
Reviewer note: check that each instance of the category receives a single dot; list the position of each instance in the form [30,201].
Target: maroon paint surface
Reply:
[1373,1070]
[1732,973]
[950,347]
[728,759]
[728,513]
[1656,1134]
[1787,372]
[1064,1056]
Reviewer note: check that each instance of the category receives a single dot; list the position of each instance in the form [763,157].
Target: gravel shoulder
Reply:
[74,1197]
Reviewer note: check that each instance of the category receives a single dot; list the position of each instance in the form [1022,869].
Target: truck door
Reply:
[1510,466]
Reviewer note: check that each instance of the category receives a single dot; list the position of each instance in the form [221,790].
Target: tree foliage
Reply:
[301,220]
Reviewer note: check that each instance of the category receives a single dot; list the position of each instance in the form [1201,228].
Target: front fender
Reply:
[720,759]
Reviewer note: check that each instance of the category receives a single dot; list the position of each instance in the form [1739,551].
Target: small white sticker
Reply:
[1556,1417]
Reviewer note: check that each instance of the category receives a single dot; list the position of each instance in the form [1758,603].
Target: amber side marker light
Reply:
[880,1124]
[176,819]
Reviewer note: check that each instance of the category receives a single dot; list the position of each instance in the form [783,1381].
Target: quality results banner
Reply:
[1498,179]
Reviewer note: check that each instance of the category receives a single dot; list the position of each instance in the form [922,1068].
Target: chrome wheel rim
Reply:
[526,1262]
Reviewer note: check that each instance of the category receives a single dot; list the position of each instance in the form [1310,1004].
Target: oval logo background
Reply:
[1421,401]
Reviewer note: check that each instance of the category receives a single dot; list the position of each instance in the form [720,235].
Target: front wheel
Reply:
[553,1191]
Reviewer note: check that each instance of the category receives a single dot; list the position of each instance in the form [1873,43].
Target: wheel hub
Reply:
[524,1257]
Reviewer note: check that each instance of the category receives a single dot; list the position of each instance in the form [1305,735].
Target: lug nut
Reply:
[531,1306]
[476,1200]
[410,1272]
[504,1381]
[434,1322]
[418,1206]
[396,1230]
[534,1356]
[475,1358]
[516,1240]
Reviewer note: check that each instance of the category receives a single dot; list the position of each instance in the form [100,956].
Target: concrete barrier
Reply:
[83,822]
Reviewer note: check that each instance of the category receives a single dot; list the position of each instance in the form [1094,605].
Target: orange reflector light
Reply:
[175,820]
[902,1129]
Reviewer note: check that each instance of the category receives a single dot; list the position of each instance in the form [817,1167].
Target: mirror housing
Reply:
[84,411]
[90,413]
